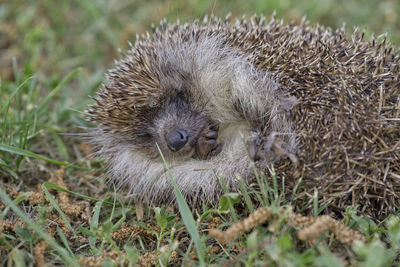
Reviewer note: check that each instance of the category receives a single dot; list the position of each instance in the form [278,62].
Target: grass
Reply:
[53,55]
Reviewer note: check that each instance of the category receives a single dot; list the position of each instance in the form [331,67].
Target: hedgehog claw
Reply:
[263,148]
[214,126]
[208,144]
[255,147]
[272,148]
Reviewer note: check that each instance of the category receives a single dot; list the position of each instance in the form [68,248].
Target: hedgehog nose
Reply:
[176,139]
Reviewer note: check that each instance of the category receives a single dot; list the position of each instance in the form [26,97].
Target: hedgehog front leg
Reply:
[270,148]
[255,146]
[208,144]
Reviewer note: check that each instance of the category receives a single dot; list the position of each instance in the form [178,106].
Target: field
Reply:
[56,207]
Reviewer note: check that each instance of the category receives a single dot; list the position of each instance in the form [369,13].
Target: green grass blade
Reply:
[246,196]
[33,226]
[187,215]
[18,258]
[56,187]
[7,103]
[61,148]
[121,220]
[53,93]
[94,224]
[7,168]
[26,153]
[227,199]
[64,240]
[55,205]
[17,74]
[315,203]
[16,202]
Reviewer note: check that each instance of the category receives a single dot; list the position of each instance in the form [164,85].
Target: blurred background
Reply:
[47,40]
[54,37]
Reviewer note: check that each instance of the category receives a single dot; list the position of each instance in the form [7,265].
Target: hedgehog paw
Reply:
[256,145]
[270,148]
[208,144]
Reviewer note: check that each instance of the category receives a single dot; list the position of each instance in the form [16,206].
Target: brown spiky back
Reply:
[131,92]
[348,119]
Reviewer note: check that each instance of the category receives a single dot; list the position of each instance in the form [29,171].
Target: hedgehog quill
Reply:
[218,95]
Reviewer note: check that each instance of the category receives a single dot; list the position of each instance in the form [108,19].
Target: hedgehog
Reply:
[217,97]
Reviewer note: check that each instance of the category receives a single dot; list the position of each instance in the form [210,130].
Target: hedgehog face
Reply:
[176,128]
[174,91]
[163,93]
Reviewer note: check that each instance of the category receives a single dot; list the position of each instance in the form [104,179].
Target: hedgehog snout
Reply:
[176,139]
